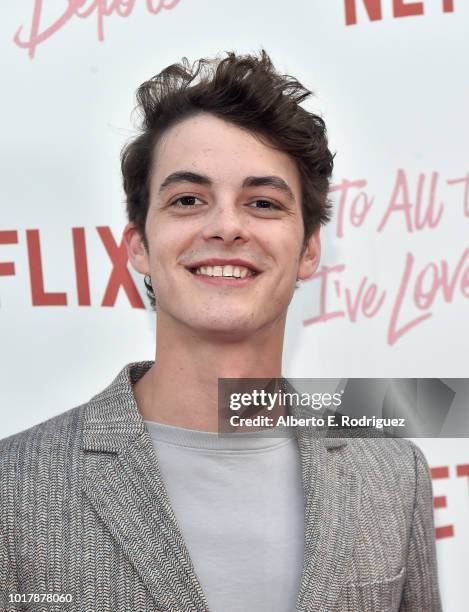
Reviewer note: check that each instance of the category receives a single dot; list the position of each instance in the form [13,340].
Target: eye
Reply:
[185,202]
[265,205]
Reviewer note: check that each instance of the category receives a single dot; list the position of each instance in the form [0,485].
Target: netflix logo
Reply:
[119,278]
[400,8]
[441,501]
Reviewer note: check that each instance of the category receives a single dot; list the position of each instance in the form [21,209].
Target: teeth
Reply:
[228,270]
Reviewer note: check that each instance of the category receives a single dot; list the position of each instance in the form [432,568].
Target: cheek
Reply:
[161,236]
[287,253]
[169,242]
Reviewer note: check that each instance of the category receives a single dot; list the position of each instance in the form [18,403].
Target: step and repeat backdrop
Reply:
[390,298]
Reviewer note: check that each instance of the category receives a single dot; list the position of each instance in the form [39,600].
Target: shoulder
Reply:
[389,453]
[63,422]
[386,464]
[58,441]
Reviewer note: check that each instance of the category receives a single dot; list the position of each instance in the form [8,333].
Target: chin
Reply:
[239,327]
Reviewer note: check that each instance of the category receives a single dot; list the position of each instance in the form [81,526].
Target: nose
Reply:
[225,223]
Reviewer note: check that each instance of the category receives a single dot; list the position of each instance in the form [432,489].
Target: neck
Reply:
[181,388]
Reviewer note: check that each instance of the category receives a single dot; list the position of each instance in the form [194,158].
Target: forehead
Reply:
[224,152]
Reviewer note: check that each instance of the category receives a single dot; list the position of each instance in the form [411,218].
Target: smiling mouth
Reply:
[228,272]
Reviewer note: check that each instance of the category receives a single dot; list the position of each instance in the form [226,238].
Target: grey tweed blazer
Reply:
[84,512]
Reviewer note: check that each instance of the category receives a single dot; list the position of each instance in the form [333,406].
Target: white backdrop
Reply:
[391,296]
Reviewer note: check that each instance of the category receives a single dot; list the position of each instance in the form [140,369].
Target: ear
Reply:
[311,255]
[136,251]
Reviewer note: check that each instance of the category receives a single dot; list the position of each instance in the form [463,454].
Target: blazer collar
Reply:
[128,494]
[112,420]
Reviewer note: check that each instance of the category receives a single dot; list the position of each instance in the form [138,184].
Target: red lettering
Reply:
[103,8]
[429,219]
[439,279]
[395,205]
[35,36]
[357,216]
[373,8]
[95,4]
[369,307]
[354,304]
[81,266]
[465,182]
[120,276]
[38,295]
[465,283]
[449,286]
[440,472]
[323,276]
[462,471]
[444,532]
[162,4]
[123,8]
[440,501]
[364,300]
[424,299]
[8,237]
[400,202]
[402,9]
[447,531]
[393,332]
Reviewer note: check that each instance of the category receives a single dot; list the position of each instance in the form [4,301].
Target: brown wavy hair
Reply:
[247,91]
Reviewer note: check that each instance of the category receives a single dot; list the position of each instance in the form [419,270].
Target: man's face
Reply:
[218,195]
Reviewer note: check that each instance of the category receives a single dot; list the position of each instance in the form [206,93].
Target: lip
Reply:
[218,261]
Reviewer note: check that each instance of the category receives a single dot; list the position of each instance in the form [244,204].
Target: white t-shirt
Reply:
[239,504]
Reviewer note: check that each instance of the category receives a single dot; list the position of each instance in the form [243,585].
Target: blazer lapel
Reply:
[128,494]
[332,503]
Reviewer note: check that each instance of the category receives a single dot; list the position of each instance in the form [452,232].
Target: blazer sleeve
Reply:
[421,590]
[8,581]
[8,572]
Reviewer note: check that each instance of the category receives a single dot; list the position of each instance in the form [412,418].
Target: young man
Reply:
[132,501]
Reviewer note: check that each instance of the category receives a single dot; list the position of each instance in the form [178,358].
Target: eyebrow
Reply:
[185,176]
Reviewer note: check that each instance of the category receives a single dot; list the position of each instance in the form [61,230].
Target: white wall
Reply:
[394,95]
